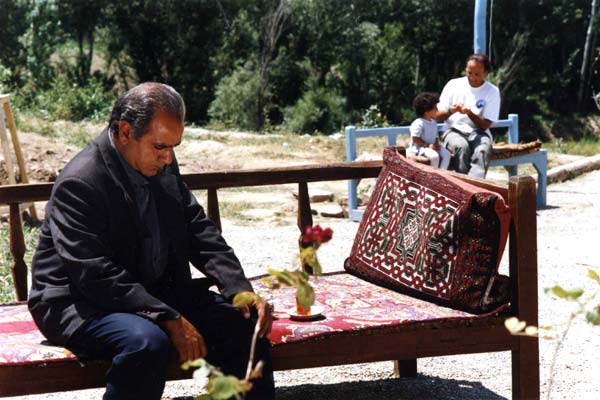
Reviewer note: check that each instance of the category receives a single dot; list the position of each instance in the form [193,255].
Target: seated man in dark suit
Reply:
[111,274]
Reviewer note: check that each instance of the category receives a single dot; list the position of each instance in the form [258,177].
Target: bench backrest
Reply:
[392,132]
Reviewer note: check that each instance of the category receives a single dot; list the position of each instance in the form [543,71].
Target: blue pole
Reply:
[479,27]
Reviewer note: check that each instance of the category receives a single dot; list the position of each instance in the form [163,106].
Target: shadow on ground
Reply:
[421,387]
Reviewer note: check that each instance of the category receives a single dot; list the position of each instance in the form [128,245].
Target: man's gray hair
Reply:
[139,104]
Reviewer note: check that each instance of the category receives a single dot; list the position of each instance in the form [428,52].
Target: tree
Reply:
[79,19]
[272,26]
[172,42]
[584,75]
[13,25]
[41,40]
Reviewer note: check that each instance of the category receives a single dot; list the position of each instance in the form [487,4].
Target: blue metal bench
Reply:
[539,159]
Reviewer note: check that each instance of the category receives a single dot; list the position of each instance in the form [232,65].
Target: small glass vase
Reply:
[301,310]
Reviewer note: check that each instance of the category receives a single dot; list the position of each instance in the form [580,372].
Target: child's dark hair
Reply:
[424,102]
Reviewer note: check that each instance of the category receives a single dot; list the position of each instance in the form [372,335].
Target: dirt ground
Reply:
[203,150]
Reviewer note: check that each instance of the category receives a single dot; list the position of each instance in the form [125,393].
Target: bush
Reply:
[236,100]
[373,118]
[66,100]
[318,110]
[4,79]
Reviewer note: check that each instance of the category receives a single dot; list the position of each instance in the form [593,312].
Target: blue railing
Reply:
[539,159]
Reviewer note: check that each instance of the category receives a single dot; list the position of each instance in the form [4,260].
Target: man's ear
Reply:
[125,132]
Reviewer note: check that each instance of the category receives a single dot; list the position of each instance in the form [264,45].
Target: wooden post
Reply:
[304,216]
[523,276]
[10,171]
[405,368]
[17,250]
[212,207]
[12,127]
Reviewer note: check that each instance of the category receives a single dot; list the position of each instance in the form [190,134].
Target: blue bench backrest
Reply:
[538,159]
[512,123]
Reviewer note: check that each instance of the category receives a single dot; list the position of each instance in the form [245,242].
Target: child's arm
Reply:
[420,142]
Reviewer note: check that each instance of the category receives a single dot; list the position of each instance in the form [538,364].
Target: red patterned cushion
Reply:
[350,304]
[353,306]
[431,235]
[21,343]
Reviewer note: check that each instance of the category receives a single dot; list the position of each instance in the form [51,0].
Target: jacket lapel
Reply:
[119,176]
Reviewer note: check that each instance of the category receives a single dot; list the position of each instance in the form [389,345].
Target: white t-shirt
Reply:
[426,129]
[483,100]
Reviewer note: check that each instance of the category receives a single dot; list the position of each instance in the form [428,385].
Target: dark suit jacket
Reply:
[87,262]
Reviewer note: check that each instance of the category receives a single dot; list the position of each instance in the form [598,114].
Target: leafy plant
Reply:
[222,387]
[236,99]
[318,110]
[590,307]
[373,118]
[585,306]
[65,100]
[312,239]
[4,79]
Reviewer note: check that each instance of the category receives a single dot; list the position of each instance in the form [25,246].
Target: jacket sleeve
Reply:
[79,226]
[208,250]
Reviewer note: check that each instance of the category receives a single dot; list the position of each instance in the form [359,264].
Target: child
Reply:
[424,140]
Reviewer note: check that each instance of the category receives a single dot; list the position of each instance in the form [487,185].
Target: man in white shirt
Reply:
[470,105]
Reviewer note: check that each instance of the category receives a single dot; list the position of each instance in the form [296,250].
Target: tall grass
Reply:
[587,146]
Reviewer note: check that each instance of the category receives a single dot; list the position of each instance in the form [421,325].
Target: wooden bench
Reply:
[539,159]
[405,346]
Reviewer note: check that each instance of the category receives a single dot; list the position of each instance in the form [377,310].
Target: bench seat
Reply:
[351,305]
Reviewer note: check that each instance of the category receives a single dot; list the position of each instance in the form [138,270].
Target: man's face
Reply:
[153,150]
[475,73]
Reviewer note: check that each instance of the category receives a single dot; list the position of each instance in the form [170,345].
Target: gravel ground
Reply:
[567,236]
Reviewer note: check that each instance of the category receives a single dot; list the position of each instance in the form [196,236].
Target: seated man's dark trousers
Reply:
[471,152]
[140,350]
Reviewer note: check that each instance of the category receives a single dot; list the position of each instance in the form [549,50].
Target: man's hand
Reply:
[186,339]
[457,107]
[481,123]
[265,316]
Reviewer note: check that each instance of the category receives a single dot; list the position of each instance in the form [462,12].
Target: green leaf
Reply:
[317,269]
[305,295]
[270,282]
[566,294]
[202,372]
[223,387]
[304,276]
[284,277]
[243,299]
[593,275]
[593,317]
[308,256]
[197,363]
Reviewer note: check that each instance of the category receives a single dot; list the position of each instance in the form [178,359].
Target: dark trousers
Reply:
[140,350]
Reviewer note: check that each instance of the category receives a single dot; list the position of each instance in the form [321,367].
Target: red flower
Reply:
[315,235]
[326,235]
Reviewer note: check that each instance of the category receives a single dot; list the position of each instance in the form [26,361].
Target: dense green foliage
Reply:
[306,65]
